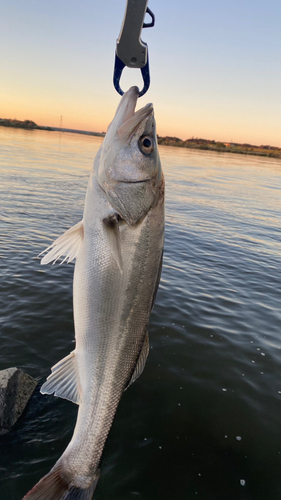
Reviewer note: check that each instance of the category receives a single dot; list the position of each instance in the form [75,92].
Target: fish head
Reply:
[127,166]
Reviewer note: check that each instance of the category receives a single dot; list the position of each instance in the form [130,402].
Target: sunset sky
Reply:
[215,66]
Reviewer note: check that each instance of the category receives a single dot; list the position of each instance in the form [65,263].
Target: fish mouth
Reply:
[134,182]
[131,119]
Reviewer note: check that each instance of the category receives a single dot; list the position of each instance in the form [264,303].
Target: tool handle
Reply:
[129,47]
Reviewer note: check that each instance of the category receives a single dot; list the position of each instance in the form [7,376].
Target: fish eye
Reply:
[146,144]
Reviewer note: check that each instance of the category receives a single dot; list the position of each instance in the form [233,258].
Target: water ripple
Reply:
[209,397]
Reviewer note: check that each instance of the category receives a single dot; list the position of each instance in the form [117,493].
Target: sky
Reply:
[215,66]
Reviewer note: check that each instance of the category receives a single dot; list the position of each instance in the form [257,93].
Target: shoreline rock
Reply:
[16,388]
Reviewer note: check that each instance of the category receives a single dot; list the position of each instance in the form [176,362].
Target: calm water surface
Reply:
[203,421]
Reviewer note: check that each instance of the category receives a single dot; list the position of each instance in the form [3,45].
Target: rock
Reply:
[16,388]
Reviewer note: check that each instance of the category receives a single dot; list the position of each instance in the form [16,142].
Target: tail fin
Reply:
[78,494]
[54,487]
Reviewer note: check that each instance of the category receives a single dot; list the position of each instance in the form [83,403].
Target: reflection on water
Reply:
[203,421]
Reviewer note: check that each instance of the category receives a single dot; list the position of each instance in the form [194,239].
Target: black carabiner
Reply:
[118,68]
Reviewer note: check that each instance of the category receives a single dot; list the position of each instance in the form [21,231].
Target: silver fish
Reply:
[118,248]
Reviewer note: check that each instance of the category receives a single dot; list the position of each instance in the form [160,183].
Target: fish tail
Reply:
[79,494]
[54,487]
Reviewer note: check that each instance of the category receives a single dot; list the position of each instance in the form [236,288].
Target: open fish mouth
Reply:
[130,119]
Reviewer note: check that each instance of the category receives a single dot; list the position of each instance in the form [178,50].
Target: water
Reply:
[203,421]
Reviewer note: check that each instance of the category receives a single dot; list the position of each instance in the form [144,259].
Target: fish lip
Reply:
[143,113]
[134,182]
[133,120]
[107,187]
[133,94]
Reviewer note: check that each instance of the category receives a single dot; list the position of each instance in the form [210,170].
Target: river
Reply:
[204,419]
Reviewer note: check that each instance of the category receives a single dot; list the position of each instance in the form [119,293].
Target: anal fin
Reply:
[141,361]
[64,380]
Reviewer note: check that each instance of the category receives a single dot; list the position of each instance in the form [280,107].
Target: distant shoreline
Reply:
[221,147]
[193,143]
[30,125]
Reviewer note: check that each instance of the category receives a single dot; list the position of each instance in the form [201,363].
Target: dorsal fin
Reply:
[67,245]
[141,361]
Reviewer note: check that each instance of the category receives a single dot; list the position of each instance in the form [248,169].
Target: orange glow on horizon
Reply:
[96,115]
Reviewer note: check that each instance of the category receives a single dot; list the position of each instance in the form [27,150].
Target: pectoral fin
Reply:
[67,245]
[64,380]
[111,225]
[141,361]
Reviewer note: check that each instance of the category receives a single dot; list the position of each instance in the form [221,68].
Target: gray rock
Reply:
[16,388]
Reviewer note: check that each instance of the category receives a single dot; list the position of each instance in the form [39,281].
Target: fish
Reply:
[118,247]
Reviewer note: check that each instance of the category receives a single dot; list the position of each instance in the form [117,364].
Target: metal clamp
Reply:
[131,51]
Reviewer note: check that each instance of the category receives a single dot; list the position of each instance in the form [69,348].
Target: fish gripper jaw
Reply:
[118,68]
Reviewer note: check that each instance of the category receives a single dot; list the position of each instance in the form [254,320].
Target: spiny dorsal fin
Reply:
[64,381]
[111,225]
[68,245]
[141,361]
